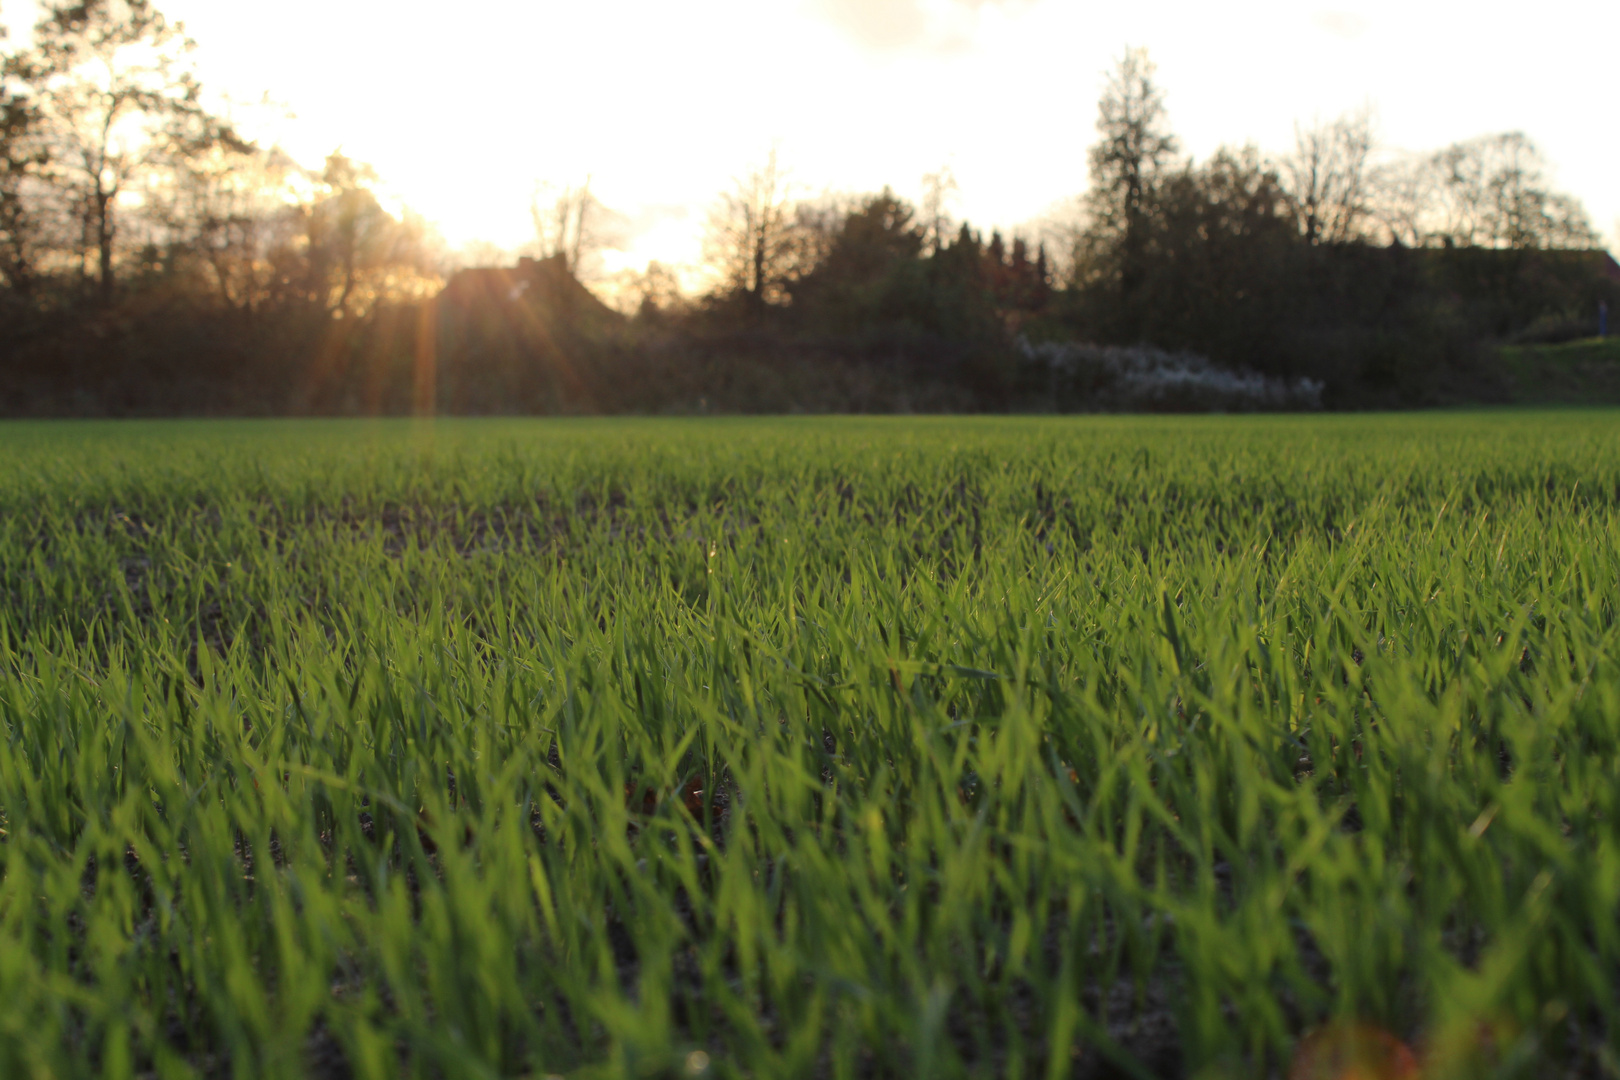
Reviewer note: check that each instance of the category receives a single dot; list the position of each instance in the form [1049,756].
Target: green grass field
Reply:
[778,748]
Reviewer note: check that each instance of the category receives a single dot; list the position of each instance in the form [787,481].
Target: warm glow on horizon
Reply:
[464,108]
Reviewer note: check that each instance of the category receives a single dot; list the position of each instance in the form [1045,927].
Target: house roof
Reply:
[531,283]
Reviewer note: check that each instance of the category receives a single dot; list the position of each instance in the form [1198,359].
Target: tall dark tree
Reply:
[865,249]
[1135,150]
[1225,278]
[1027,284]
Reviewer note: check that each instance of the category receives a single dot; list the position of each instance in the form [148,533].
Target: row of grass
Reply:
[1028,748]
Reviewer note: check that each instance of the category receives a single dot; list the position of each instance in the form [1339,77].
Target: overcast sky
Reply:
[463,106]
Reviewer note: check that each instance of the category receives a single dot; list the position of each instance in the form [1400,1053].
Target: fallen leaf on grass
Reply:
[1352,1052]
[644,800]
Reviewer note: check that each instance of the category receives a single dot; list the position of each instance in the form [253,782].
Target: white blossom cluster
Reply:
[1140,378]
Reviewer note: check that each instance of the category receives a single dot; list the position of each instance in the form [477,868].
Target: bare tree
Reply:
[1493,192]
[1400,199]
[573,224]
[1328,178]
[564,222]
[238,212]
[939,191]
[753,236]
[112,90]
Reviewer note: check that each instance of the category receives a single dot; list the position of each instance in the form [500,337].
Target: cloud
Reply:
[1342,24]
[649,217]
[895,25]
[881,25]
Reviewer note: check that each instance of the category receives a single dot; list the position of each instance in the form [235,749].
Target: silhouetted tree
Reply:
[357,252]
[1027,285]
[865,246]
[1224,278]
[1134,151]
[22,154]
[1493,192]
[1400,196]
[573,223]
[109,82]
[939,189]
[752,240]
[1328,178]
[995,252]
[237,212]
[658,290]
[951,295]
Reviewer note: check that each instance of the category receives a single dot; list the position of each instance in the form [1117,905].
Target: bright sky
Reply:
[464,106]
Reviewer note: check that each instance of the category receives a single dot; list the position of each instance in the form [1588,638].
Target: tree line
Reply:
[153,259]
